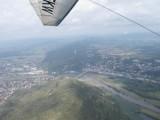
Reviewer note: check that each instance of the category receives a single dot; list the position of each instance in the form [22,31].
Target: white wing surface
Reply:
[52,12]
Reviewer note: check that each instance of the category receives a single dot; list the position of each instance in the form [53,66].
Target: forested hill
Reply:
[73,57]
[138,58]
[66,99]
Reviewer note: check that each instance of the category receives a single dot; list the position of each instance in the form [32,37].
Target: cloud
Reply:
[18,19]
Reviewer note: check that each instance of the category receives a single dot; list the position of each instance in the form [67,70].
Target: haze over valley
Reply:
[80,78]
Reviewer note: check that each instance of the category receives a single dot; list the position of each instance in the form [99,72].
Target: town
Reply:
[20,73]
[23,72]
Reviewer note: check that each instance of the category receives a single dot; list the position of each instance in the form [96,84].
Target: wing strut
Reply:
[125,17]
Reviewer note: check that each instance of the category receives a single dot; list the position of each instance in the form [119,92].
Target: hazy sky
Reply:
[18,19]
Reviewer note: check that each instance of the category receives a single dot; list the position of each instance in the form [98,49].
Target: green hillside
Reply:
[62,100]
[72,57]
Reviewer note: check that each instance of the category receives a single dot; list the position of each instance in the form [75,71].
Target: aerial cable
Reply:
[125,17]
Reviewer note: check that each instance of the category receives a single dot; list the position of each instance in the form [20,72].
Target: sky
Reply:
[19,21]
